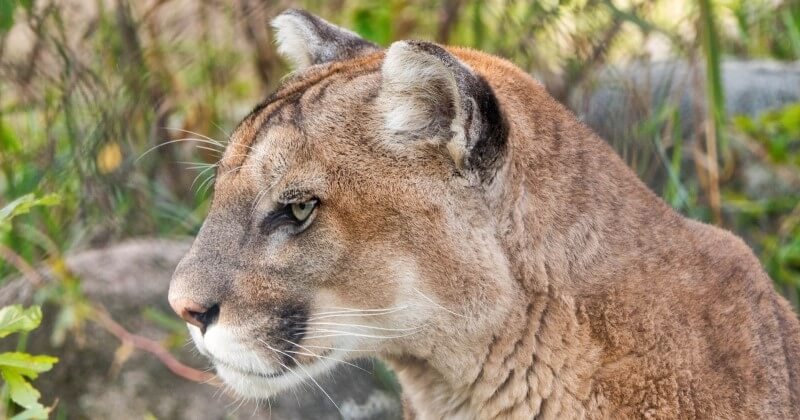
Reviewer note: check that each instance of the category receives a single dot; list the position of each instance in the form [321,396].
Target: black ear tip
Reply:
[302,17]
[446,78]
[298,13]
[306,39]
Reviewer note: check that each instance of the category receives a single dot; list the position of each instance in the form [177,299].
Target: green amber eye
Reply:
[301,211]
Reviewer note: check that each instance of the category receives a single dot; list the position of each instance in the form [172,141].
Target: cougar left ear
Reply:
[307,40]
[428,93]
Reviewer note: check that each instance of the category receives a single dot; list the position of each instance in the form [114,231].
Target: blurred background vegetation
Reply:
[101,102]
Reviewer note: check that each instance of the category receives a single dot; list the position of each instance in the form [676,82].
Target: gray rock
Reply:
[126,279]
[616,101]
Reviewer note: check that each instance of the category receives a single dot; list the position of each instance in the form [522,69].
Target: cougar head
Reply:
[352,215]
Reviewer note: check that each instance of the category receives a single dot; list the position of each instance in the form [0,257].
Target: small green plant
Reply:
[19,368]
[778,132]
[23,205]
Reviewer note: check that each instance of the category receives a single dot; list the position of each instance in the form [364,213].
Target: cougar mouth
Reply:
[247,372]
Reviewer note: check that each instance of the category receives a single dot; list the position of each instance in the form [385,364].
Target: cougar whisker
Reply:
[353,314]
[170,142]
[306,372]
[199,175]
[325,333]
[326,357]
[437,305]
[343,310]
[219,152]
[257,200]
[283,365]
[338,324]
[203,188]
[194,133]
[340,349]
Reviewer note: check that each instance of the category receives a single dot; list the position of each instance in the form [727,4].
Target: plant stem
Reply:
[715,104]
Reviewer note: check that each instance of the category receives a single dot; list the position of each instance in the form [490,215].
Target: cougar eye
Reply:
[291,214]
[301,211]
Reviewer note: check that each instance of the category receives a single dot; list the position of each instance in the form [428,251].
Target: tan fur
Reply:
[564,288]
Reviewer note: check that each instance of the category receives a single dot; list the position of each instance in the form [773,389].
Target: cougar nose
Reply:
[194,313]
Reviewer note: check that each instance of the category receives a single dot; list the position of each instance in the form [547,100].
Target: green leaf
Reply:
[745,124]
[15,318]
[37,412]
[15,366]
[27,364]
[20,390]
[7,14]
[790,119]
[8,141]
[24,395]
[24,205]
[22,371]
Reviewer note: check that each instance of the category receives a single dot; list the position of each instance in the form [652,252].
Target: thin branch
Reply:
[21,265]
[150,346]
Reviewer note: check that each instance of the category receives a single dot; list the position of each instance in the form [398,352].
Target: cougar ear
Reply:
[429,93]
[306,39]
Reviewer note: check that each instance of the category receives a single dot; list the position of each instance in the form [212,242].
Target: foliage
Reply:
[18,368]
[778,132]
[775,137]
[74,309]
[7,8]
[23,205]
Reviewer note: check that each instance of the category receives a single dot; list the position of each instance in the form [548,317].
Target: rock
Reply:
[126,279]
[616,101]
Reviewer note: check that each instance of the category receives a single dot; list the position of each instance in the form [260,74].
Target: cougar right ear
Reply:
[429,93]
[306,40]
